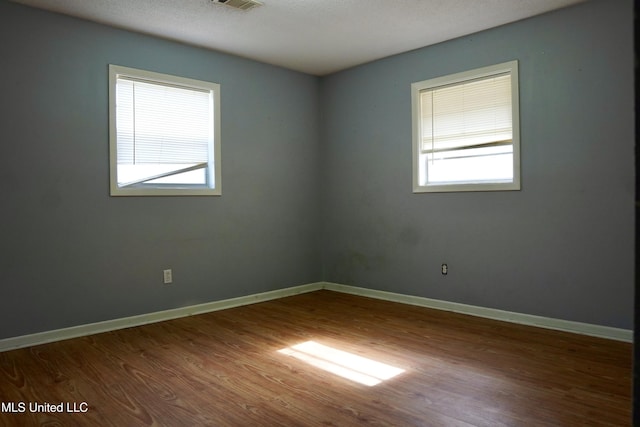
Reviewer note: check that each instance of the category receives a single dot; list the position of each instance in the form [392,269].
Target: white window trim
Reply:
[416,88]
[115,71]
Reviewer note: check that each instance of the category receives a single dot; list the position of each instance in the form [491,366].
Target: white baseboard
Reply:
[143,319]
[490,313]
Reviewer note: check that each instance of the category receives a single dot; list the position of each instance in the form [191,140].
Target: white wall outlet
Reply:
[444,269]
[168,276]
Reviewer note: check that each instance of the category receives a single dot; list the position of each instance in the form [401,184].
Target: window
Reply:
[466,132]
[164,134]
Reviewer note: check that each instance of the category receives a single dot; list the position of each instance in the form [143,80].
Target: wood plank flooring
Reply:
[225,369]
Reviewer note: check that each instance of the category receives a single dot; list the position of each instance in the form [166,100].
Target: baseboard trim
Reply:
[617,334]
[14,343]
[160,316]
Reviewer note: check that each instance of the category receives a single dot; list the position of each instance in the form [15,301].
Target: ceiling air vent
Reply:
[239,4]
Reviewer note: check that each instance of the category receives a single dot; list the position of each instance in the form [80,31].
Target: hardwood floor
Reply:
[225,369]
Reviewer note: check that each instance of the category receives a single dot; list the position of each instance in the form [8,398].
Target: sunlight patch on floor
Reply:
[347,365]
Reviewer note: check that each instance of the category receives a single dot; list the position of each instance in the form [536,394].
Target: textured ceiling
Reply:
[313,36]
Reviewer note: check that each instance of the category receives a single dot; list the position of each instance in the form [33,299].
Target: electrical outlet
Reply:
[444,269]
[168,276]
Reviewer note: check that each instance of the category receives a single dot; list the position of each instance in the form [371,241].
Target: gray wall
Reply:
[73,255]
[562,246]
[316,179]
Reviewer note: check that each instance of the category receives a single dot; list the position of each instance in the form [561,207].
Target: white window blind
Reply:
[164,133]
[162,130]
[472,114]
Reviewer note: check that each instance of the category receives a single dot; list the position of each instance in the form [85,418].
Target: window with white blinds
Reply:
[466,133]
[164,134]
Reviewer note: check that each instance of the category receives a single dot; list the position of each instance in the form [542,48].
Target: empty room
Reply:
[292,213]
